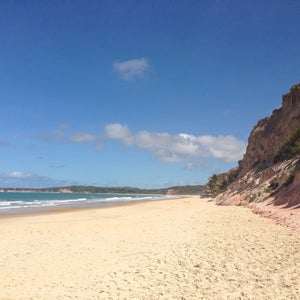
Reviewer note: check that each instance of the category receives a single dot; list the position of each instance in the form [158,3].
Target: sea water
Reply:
[17,202]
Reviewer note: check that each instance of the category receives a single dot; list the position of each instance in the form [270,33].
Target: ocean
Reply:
[17,202]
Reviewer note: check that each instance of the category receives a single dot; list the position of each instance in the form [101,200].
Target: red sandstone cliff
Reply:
[268,178]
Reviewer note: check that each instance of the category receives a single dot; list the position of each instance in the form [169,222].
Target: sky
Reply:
[139,93]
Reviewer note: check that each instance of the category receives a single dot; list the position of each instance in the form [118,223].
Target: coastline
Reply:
[45,210]
[166,249]
[46,203]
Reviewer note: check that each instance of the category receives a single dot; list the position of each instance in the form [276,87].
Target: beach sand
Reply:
[187,248]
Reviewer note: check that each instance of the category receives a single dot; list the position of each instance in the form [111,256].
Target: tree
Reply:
[213,184]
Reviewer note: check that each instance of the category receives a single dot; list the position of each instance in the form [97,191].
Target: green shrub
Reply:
[290,148]
[218,184]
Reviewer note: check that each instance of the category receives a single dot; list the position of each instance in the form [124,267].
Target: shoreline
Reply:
[85,203]
[45,210]
[279,215]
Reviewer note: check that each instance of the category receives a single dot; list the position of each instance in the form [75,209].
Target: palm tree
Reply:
[213,184]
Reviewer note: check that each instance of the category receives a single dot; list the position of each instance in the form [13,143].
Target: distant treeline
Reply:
[176,190]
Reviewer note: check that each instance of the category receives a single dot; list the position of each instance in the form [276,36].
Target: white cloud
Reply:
[62,134]
[27,180]
[197,164]
[82,137]
[119,131]
[60,130]
[58,134]
[131,69]
[18,174]
[226,148]
[180,147]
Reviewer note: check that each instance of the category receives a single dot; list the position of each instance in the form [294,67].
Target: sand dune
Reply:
[176,249]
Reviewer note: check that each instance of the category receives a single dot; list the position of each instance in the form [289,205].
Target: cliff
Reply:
[269,174]
[271,133]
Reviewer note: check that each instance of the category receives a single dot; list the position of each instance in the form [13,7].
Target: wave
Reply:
[13,205]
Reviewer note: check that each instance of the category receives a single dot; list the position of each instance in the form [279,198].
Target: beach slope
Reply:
[186,248]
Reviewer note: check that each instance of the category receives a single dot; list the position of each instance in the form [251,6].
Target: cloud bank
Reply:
[82,137]
[193,150]
[179,147]
[131,69]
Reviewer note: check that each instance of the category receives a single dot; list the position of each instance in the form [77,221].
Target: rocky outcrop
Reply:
[268,181]
[258,185]
[65,191]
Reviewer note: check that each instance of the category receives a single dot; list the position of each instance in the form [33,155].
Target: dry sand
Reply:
[176,249]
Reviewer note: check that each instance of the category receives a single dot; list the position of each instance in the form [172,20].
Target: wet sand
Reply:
[186,248]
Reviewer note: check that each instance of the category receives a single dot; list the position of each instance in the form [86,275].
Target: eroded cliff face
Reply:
[269,135]
[264,183]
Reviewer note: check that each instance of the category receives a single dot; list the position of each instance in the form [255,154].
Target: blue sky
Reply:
[138,93]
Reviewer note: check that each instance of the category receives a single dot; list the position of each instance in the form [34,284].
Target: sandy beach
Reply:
[187,248]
